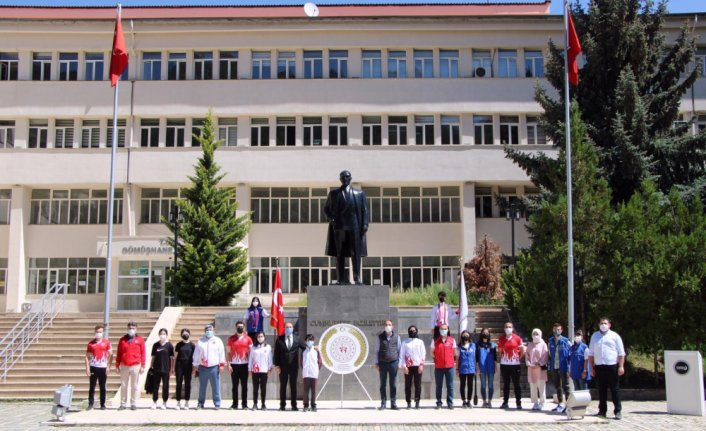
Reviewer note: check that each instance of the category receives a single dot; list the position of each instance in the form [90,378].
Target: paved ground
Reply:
[637,416]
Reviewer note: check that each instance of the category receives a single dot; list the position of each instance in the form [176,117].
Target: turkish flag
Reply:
[277,308]
[119,57]
[574,49]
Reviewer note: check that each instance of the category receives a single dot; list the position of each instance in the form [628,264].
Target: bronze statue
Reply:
[347,212]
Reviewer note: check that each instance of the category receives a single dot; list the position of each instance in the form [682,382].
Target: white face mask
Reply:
[131,332]
[162,338]
[604,327]
[99,335]
[260,340]
[536,338]
[255,303]
[578,339]
[388,328]
[508,331]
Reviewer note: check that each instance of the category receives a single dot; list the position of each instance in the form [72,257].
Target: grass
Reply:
[428,295]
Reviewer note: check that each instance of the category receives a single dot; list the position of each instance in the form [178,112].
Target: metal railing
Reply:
[30,327]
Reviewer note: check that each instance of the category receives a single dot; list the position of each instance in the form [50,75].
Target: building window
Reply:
[484,202]
[397,130]
[286,65]
[423,63]
[3,275]
[64,134]
[90,134]
[152,66]
[259,132]
[507,63]
[450,130]
[175,132]
[288,204]
[261,67]
[312,131]
[338,131]
[482,63]
[122,125]
[535,133]
[203,65]
[700,125]
[94,66]
[196,130]
[313,64]
[38,132]
[483,129]
[414,204]
[83,275]
[338,64]
[509,127]
[372,64]
[9,63]
[700,59]
[156,204]
[5,203]
[397,64]
[75,206]
[449,63]
[176,67]
[424,129]
[228,131]
[286,132]
[372,130]
[68,66]
[534,64]
[7,134]
[41,66]
[229,64]
[149,132]
[508,197]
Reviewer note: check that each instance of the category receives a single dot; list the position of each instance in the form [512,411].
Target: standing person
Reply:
[387,356]
[443,353]
[182,368]
[536,360]
[559,365]
[311,364]
[130,363]
[98,356]
[286,360]
[260,367]
[237,355]
[466,369]
[511,352]
[440,315]
[578,362]
[162,366]
[487,358]
[209,360]
[412,355]
[606,356]
[254,316]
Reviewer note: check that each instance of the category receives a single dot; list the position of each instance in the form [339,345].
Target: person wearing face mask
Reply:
[182,368]
[440,314]
[387,355]
[511,352]
[443,353]
[254,317]
[412,355]
[466,369]
[286,360]
[578,361]
[260,367]
[209,361]
[237,354]
[311,363]
[536,360]
[162,366]
[487,358]
[606,356]
[559,365]
[130,363]
[98,356]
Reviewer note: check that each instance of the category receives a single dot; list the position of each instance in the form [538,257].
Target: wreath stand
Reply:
[357,378]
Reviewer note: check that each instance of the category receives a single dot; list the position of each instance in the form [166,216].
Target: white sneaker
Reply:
[178,406]
[154,406]
[186,405]
[541,406]
[535,406]
[163,406]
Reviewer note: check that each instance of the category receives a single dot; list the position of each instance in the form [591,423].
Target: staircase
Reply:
[58,357]
[195,318]
[491,317]
[7,322]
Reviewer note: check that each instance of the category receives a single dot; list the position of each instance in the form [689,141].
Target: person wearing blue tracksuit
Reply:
[486,359]
[466,368]
[578,357]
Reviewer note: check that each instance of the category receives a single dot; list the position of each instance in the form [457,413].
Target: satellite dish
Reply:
[311,10]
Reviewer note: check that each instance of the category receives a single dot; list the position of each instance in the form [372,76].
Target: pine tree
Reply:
[212,265]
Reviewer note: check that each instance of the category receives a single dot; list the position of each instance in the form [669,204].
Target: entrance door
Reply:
[158,294]
[141,286]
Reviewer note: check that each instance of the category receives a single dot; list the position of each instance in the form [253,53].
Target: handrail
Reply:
[30,327]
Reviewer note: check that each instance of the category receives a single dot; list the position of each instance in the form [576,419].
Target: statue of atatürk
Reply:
[347,212]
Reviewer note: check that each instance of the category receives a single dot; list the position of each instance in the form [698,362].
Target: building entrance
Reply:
[141,285]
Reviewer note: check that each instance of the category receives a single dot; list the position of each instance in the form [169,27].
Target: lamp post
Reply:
[174,218]
[512,213]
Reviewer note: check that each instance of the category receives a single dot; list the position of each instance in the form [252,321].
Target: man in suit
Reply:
[286,361]
[347,212]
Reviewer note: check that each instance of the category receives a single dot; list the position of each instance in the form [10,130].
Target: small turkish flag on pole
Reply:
[573,51]
[119,56]
[277,308]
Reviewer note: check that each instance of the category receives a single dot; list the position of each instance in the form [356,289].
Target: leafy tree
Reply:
[213,266]
[482,272]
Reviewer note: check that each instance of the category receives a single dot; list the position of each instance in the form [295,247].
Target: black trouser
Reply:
[412,376]
[309,387]
[240,375]
[288,376]
[511,372]
[183,376]
[607,376]
[164,379]
[560,380]
[467,381]
[259,385]
[97,375]
[346,246]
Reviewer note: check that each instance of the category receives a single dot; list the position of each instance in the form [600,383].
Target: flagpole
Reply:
[569,204]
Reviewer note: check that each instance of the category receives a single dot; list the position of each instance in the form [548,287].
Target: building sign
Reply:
[133,247]
[344,348]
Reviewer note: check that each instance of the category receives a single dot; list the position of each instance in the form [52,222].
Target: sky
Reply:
[674,6]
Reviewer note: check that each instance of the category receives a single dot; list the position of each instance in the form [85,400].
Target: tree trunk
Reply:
[655,357]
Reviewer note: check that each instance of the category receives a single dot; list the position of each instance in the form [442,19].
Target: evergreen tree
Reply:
[212,265]
[482,272]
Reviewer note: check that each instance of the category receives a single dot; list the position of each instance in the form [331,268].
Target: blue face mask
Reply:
[209,334]
[288,331]
[310,344]
[443,332]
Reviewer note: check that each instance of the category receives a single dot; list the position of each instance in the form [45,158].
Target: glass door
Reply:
[134,285]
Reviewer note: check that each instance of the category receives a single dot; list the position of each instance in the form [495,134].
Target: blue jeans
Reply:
[439,375]
[486,381]
[209,375]
[388,370]
[580,384]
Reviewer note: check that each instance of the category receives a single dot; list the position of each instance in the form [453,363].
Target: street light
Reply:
[513,213]
[174,219]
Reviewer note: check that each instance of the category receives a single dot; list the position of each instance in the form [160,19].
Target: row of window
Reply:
[74,206]
[83,275]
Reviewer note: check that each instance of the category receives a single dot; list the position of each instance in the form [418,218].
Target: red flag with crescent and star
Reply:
[119,56]
[277,308]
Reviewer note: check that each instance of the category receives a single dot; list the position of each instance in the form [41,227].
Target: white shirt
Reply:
[442,314]
[412,353]
[310,364]
[606,348]
[260,360]
[209,352]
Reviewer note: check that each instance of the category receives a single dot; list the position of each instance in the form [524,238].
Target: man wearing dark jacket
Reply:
[286,360]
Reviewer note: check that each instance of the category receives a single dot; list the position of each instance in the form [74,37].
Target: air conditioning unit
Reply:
[480,72]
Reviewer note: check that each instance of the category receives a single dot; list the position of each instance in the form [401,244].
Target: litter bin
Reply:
[684,377]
